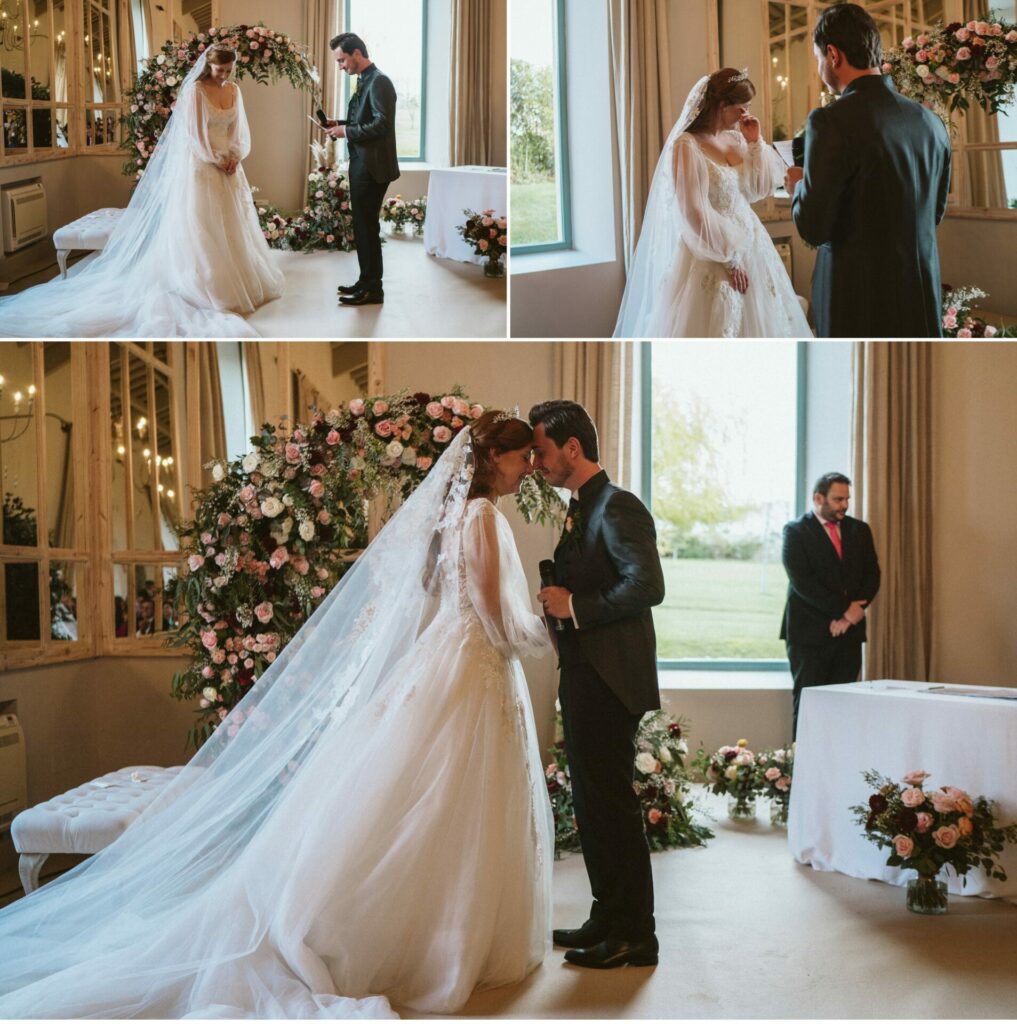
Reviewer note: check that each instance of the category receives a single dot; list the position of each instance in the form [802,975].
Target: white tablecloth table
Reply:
[449,192]
[895,727]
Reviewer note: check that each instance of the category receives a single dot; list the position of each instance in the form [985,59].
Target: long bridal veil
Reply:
[213,902]
[141,283]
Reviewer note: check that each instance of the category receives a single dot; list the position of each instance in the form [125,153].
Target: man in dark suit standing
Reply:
[608,577]
[369,131]
[876,180]
[833,575]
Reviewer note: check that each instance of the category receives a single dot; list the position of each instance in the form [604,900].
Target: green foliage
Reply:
[532,121]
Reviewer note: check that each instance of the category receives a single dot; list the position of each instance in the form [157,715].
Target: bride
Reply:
[705,266]
[187,258]
[370,824]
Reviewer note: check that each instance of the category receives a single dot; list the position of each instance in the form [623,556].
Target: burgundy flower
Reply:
[730,755]
[907,820]
[421,398]
[877,802]
[675,730]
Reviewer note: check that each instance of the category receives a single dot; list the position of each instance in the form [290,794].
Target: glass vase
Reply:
[494,268]
[926,895]
[741,807]
[778,813]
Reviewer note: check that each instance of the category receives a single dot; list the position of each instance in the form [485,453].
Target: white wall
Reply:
[981,253]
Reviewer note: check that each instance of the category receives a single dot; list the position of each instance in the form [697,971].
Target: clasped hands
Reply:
[854,614]
[229,165]
[555,601]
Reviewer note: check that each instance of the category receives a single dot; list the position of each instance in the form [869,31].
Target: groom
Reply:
[609,576]
[874,187]
[369,131]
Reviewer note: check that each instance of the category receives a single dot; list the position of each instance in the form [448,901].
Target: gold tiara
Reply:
[742,76]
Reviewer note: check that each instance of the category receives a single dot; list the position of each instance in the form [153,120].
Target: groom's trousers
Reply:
[600,735]
[366,197]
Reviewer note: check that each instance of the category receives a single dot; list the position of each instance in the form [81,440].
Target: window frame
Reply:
[562,168]
[646,489]
[345,90]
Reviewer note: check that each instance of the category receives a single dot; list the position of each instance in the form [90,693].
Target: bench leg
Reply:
[62,255]
[29,868]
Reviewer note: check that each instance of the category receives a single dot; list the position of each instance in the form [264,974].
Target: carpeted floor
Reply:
[746,932]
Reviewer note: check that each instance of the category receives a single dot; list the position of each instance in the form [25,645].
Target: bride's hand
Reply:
[749,126]
[739,279]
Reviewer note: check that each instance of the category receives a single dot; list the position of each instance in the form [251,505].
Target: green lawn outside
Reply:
[534,213]
[720,609]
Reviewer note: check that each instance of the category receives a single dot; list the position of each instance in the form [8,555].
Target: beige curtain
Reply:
[477,68]
[206,424]
[641,85]
[322,19]
[893,487]
[255,382]
[600,375]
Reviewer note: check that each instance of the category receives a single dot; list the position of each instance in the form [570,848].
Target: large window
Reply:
[395,33]
[539,184]
[721,433]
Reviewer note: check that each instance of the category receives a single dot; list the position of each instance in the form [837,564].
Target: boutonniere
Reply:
[573,532]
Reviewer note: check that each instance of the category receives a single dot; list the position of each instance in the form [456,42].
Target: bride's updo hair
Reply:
[220,54]
[725,86]
[494,431]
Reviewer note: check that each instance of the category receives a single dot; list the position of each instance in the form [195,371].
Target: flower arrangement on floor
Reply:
[731,772]
[399,212]
[949,67]
[774,773]
[272,535]
[959,319]
[927,831]
[488,234]
[661,782]
[262,55]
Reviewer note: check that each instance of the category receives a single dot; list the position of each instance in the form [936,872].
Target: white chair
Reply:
[86,819]
[89,232]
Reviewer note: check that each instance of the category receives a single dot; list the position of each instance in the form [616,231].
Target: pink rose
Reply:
[195,562]
[317,591]
[965,826]
[434,410]
[912,797]
[456,423]
[324,517]
[461,408]
[379,408]
[946,837]
[442,435]
[292,452]
[783,783]
[915,778]
[270,657]
[990,331]
[207,672]
[475,411]
[357,407]
[424,463]
[922,40]
[924,822]
[653,816]
[942,801]
[209,639]
[278,558]
[922,55]
[447,401]
[483,245]
[991,62]
[962,35]
[232,659]
[333,437]
[904,845]
[950,322]
[246,493]
[218,656]
[383,428]
[772,773]
[954,78]
[300,564]
[316,489]
[964,332]
[263,612]
[964,53]
[1011,36]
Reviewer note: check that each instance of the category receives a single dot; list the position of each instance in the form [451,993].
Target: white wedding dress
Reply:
[699,223]
[187,258]
[369,827]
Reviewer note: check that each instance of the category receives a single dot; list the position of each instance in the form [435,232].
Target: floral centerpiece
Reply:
[488,234]
[661,782]
[959,319]
[950,66]
[262,55]
[774,772]
[926,831]
[399,212]
[279,526]
[731,771]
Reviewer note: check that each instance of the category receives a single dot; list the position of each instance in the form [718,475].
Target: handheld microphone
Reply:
[547,579]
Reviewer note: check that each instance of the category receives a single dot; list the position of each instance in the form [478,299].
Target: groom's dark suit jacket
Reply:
[610,564]
[821,585]
[370,125]
[877,175]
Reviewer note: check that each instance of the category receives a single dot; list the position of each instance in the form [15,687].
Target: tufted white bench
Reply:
[86,819]
[89,232]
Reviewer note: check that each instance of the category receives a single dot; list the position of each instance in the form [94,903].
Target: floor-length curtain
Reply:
[641,85]
[206,422]
[321,24]
[600,375]
[893,488]
[475,59]
[255,382]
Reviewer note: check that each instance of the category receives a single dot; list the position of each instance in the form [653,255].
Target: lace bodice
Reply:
[726,195]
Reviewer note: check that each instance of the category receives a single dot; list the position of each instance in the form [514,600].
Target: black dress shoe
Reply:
[616,953]
[362,299]
[585,936]
[350,289]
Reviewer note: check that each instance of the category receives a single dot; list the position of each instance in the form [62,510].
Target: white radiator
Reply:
[24,215]
[13,780]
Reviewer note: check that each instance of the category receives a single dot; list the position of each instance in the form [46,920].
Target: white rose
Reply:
[394,450]
[250,463]
[646,762]
[665,755]
[218,473]
[307,530]
[745,758]
[211,694]
[731,772]
[287,500]
[271,507]
[409,457]
[683,747]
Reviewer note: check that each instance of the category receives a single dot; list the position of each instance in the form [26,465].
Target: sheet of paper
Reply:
[786,152]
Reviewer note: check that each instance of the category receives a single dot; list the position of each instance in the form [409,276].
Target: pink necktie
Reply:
[835,537]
